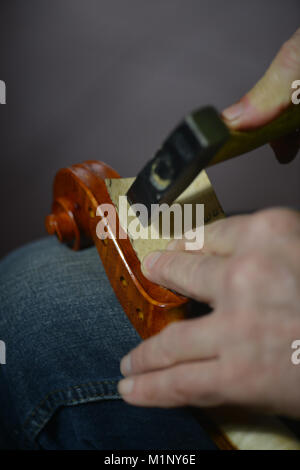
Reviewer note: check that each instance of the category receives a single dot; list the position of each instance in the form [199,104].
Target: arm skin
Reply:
[249,272]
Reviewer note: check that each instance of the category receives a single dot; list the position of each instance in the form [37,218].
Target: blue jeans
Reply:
[65,334]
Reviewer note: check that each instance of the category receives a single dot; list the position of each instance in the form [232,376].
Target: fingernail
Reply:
[125,386]
[125,365]
[150,260]
[172,245]
[234,112]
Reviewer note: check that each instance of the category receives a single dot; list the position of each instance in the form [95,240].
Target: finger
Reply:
[287,147]
[183,341]
[191,274]
[272,93]
[193,383]
[221,237]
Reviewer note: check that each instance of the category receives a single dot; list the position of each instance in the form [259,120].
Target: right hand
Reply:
[269,97]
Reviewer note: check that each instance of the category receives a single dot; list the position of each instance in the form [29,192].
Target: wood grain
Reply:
[77,193]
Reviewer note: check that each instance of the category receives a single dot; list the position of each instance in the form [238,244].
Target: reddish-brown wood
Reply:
[77,193]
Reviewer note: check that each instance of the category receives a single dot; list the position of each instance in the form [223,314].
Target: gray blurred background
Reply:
[108,79]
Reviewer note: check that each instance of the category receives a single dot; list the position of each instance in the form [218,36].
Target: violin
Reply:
[80,194]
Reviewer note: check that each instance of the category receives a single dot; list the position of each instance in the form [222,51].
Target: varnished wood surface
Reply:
[149,307]
[77,192]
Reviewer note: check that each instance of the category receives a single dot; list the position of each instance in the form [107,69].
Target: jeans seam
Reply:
[42,412]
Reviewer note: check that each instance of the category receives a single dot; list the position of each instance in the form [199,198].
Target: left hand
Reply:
[240,354]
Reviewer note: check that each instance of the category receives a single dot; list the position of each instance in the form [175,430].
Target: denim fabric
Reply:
[65,334]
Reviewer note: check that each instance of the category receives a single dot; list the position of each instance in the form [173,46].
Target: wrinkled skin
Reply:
[249,272]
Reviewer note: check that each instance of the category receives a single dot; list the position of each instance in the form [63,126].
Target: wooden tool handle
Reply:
[78,192]
[244,141]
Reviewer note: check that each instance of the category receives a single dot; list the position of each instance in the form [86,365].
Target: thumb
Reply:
[272,93]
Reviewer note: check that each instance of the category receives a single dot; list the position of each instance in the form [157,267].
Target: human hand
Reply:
[269,97]
[249,272]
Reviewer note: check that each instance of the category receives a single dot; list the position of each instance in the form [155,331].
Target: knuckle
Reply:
[182,394]
[178,269]
[247,270]
[162,266]
[167,267]
[189,388]
[145,390]
[139,356]
[239,272]
[168,340]
[232,279]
